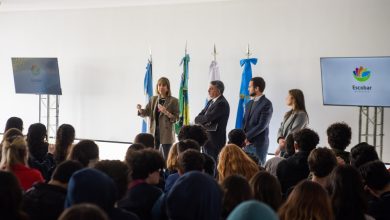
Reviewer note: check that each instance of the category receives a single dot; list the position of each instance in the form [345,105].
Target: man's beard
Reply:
[252,94]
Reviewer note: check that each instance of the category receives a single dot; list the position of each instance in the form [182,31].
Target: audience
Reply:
[83,211]
[194,132]
[238,137]
[15,155]
[64,141]
[172,159]
[363,153]
[272,164]
[308,200]
[190,160]
[233,160]
[235,189]
[339,137]
[86,152]
[11,196]
[377,182]
[266,189]
[321,163]
[295,168]
[252,210]
[9,134]
[145,139]
[14,122]
[50,196]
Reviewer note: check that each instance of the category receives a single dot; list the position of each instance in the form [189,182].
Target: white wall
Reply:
[102,56]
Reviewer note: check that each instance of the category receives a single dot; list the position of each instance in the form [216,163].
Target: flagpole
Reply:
[185,50]
[150,54]
[215,53]
[248,52]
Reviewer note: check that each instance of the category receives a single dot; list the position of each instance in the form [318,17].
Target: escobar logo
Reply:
[361,74]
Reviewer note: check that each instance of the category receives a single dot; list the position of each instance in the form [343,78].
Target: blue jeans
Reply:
[260,152]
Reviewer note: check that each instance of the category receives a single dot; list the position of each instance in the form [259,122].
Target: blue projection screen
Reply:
[356,81]
[36,76]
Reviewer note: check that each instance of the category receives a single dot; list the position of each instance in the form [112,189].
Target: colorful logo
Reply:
[361,74]
[35,70]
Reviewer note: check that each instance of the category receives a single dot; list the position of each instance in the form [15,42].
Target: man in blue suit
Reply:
[258,113]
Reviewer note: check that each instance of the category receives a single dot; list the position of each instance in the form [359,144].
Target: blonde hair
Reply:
[14,152]
[164,81]
[172,158]
[308,200]
[233,160]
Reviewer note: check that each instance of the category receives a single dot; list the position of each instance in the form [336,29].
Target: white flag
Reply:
[214,71]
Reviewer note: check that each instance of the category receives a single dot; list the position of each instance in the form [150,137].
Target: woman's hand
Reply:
[162,109]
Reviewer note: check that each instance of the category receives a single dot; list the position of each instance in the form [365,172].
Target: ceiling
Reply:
[31,5]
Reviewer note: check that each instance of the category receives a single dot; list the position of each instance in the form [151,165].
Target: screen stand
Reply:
[371,126]
[48,113]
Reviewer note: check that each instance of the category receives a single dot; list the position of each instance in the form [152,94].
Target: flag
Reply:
[148,91]
[213,74]
[184,114]
[244,93]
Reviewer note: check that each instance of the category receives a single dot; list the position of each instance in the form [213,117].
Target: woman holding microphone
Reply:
[163,112]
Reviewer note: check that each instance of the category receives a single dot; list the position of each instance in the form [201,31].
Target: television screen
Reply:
[36,75]
[356,81]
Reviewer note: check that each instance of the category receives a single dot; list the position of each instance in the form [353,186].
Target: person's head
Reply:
[194,196]
[146,165]
[251,210]
[163,87]
[209,164]
[339,135]
[86,152]
[233,160]
[83,211]
[194,132]
[146,139]
[11,196]
[216,88]
[296,100]
[321,162]
[308,200]
[347,193]
[64,139]
[306,140]
[65,170]
[290,150]
[14,152]
[363,153]
[190,160]
[236,189]
[36,140]
[14,122]
[91,186]
[172,158]
[256,86]
[266,188]
[237,137]
[187,144]
[118,171]
[376,177]
[131,151]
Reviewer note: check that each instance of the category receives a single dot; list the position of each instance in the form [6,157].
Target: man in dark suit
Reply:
[258,113]
[214,118]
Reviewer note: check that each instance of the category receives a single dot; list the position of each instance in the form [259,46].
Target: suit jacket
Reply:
[166,124]
[256,121]
[216,115]
[295,122]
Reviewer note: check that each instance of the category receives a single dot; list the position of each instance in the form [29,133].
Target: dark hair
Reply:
[144,138]
[299,102]
[347,194]
[118,171]
[321,161]
[64,139]
[339,135]
[131,151]
[84,152]
[145,162]
[266,188]
[190,160]
[209,165]
[194,132]
[14,122]
[219,84]
[11,197]
[375,175]
[237,137]
[36,141]
[363,153]
[290,150]
[187,144]
[83,211]
[306,139]
[65,170]
[236,190]
[258,82]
